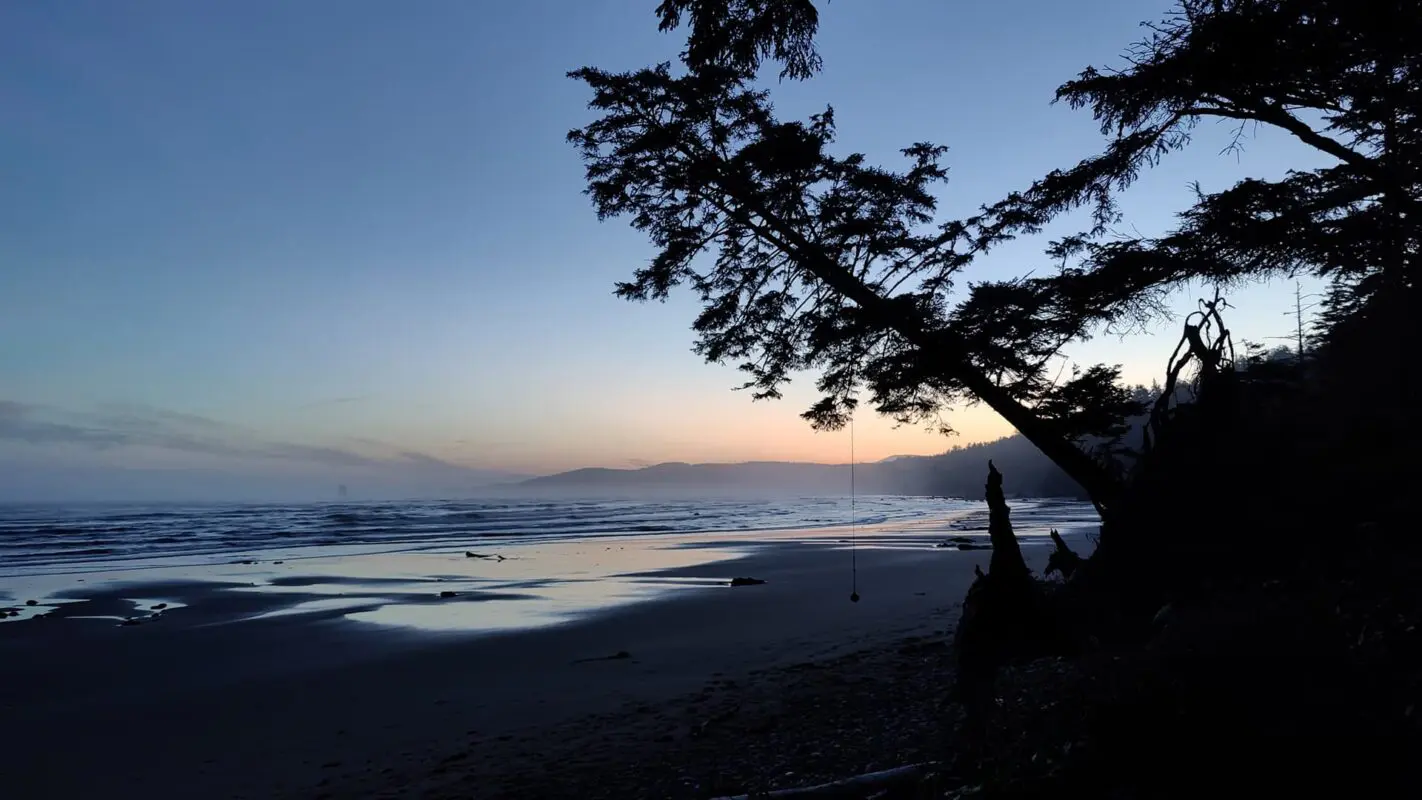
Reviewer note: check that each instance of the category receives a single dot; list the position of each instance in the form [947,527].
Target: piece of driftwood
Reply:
[856,786]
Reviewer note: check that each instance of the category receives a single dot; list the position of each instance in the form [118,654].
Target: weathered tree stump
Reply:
[1007,558]
[1005,614]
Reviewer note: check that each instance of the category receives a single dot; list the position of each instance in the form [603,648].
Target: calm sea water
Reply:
[36,538]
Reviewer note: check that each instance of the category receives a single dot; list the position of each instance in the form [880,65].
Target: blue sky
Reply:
[348,235]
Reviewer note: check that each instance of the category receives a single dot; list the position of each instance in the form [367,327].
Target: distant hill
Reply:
[960,472]
[957,473]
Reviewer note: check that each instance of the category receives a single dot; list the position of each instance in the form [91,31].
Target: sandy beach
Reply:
[354,677]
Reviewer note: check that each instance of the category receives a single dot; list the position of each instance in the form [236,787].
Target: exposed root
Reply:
[1063,559]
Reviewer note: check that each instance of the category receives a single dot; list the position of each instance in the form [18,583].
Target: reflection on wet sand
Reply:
[518,586]
[534,585]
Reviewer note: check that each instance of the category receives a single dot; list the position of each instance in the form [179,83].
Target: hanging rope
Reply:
[853,533]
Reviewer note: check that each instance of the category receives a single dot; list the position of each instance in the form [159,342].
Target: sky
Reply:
[344,240]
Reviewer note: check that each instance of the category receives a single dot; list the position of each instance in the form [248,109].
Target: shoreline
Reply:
[41,545]
[198,704]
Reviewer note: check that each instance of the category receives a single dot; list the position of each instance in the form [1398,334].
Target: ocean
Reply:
[49,539]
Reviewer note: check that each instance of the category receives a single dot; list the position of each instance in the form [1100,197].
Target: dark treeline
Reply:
[1248,622]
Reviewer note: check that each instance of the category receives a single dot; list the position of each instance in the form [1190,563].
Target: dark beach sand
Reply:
[198,704]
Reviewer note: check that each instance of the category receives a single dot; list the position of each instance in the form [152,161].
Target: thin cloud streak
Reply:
[335,401]
[140,413]
[116,425]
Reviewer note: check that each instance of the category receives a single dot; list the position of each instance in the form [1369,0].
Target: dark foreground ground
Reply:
[720,690]
[805,723]
[1288,687]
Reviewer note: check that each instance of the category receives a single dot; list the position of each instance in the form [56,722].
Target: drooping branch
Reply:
[1339,76]
[742,33]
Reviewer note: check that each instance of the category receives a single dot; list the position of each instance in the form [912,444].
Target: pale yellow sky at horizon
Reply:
[621,414]
[694,415]
[769,431]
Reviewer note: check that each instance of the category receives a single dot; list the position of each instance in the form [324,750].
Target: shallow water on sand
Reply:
[64,538]
[473,583]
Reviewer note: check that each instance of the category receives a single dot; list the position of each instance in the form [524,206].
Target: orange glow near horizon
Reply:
[717,430]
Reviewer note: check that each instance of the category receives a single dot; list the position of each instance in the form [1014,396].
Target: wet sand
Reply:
[373,689]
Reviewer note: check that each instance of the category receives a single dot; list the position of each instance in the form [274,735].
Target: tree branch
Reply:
[1278,117]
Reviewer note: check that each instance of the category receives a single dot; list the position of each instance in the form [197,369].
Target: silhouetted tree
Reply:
[807,260]
[1341,77]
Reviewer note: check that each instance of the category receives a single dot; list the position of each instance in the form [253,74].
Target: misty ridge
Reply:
[956,473]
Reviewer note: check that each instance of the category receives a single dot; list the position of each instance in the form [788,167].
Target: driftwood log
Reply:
[855,787]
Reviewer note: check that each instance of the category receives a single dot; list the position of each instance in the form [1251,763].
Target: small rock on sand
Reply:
[618,656]
[448,593]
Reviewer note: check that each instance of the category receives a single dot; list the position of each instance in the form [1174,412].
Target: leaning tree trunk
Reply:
[1103,489]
